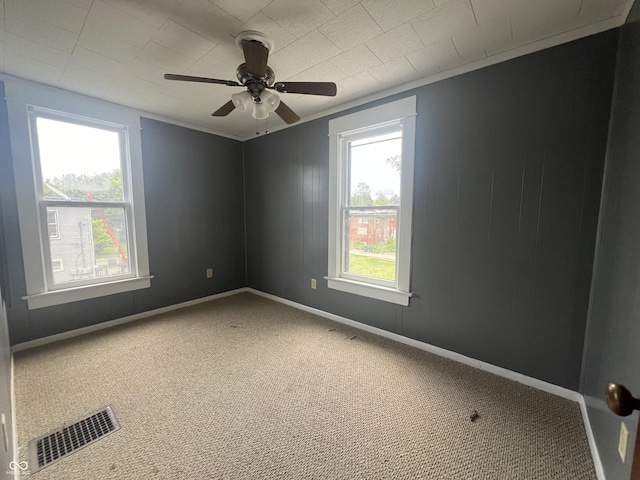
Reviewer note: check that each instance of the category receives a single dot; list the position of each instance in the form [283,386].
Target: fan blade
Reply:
[328,89]
[285,113]
[224,110]
[187,78]
[255,56]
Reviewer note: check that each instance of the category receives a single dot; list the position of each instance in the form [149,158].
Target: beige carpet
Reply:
[246,388]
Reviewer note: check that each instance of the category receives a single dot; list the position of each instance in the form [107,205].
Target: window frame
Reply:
[44,204]
[348,128]
[344,179]
[24,97]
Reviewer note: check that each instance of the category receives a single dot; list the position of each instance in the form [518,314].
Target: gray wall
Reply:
[5,352]
[508,176]
[195,209]
[612,348]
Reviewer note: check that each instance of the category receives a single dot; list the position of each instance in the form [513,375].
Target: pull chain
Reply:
[266,126]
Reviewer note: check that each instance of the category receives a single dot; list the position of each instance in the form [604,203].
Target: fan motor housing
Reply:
[244,77]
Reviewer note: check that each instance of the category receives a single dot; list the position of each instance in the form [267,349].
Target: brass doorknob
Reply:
[620,400]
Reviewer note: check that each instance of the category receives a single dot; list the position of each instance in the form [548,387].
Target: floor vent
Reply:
[45,450]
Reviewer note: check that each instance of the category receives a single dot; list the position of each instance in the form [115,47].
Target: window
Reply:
[79,188]
[371,193]
[81,179]
[52,224]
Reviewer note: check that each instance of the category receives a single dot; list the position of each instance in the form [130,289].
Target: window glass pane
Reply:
[370,243]
[374,170]
[79,162]
[92,243]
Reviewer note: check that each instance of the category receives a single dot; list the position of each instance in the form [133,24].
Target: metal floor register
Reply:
[49,448]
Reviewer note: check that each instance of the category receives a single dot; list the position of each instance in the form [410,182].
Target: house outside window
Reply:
[371,193]
[80,195]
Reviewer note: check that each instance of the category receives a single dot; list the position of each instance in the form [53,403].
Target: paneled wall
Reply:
[508,175]
[195,220]
[507,188]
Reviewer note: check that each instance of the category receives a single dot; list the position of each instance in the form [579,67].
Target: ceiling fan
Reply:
[258,78]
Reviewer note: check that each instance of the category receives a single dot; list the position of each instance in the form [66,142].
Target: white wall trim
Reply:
[141,113]
[398,117]
[502,372]
[119,321]
[14,423]
[549,42]
[59,297]
[25,102]
[595,28]
[595,454]
[472,362]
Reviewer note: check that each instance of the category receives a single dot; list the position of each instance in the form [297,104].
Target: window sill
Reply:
[59,297]
[368,290]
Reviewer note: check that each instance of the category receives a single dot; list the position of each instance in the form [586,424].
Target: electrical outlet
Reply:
[209,272]
[622,445]
[313,283]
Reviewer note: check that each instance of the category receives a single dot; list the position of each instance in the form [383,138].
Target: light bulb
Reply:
[241,100]
[260,111]
[271,100]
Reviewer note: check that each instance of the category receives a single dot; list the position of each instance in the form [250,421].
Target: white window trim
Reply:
[20,95]
[125,204]
[404,109]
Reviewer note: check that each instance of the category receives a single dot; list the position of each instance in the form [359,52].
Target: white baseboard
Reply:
[503,372]
[14,424]
[472,362]
[597,463]
[118,321]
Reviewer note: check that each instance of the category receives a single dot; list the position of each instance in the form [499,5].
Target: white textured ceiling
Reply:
[118,50]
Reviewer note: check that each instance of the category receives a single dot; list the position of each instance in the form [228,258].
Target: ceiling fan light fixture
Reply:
[256,76]
[242,100]
[271,100]
[260,111]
